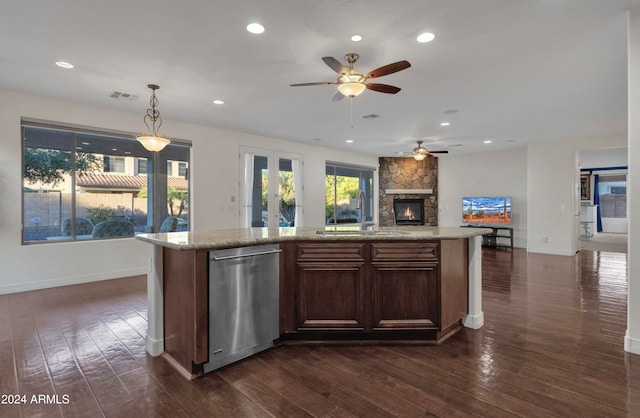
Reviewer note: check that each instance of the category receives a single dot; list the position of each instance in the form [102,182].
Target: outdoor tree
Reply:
[337,189]
[286,191]
[49,166]
[181,196]
[173,195]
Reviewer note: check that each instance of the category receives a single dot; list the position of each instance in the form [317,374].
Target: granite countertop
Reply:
[241,237]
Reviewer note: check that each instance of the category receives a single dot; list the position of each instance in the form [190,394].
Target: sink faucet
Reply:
[360,205]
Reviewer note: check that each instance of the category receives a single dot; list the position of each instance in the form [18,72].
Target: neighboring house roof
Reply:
[99,180]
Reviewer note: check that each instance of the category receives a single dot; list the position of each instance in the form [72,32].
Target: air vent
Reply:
[123,96]
[371,116]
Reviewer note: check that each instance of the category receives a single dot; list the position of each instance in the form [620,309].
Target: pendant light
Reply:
[153,142]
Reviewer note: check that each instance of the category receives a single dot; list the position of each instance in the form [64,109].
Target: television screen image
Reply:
[486,210]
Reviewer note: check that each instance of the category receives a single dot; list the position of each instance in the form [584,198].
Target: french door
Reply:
[270,188]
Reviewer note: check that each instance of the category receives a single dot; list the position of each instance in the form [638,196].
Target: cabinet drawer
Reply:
[408,251]
[331,251]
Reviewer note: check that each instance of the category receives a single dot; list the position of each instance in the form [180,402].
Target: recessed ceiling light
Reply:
[114,149]
[349,141]
[488,141]
[218,101]
[85,143]
[64,64]
[445,124]
[256,28]
[356,38]
[426,37]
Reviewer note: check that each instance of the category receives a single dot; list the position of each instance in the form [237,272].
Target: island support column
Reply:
[475,318]
[155,325]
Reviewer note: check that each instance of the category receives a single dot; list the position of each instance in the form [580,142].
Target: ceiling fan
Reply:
[352,82]
[420,152]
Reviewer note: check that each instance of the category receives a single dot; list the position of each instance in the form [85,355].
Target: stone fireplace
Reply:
[409,211]
[406,178]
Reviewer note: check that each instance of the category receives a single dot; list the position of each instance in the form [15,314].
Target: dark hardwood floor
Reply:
[552,346]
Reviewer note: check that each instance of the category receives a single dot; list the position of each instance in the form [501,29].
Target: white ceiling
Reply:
[516,71]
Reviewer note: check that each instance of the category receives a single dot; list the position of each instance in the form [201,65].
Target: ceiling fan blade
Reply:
[337,97]
[383,88]
[388,69]
[319,83]
[438,152]
[334,64]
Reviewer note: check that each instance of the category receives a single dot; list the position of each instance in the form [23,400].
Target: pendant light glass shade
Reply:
[152,141]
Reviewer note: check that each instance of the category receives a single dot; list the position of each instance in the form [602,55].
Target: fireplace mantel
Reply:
[408,191]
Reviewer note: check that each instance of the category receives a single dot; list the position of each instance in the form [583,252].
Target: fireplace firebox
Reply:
[409,211]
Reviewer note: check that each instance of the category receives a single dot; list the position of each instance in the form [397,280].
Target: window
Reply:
[169,168]
[142,166]
[113,164]
[67,194]
[343,185]
[182,169]
[613,196]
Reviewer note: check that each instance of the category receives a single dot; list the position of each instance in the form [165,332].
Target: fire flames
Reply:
[408,213]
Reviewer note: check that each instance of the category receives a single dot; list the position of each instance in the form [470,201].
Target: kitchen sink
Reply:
[358,232]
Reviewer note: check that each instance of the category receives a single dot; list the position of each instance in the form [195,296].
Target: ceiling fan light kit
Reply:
[420,153]
[352,89]
[352,82]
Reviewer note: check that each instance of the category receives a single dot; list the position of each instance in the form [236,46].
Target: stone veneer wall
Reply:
[408,173]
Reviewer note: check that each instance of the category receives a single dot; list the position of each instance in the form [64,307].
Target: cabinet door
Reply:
[330,296]
[405,295]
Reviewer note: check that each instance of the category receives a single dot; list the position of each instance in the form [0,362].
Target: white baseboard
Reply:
[551,251]
[155,347]
[631,345]
[473,321]
[66,281]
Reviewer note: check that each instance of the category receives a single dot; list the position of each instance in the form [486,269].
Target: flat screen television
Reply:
[486,210]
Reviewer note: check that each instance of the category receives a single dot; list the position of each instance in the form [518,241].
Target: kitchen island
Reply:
[336,283]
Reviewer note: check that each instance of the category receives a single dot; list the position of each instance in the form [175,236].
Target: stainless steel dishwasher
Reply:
[244,310]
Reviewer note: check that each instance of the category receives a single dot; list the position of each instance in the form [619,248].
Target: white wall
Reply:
[604,157]
[214,169]
[552,192]
[502,173]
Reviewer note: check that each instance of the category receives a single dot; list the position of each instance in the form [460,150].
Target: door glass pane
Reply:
[257,191]
[286,193]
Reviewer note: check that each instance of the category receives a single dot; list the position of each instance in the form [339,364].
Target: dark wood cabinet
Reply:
[404,295]
[330,286]
[331,296]
[404,285]
[372,289]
